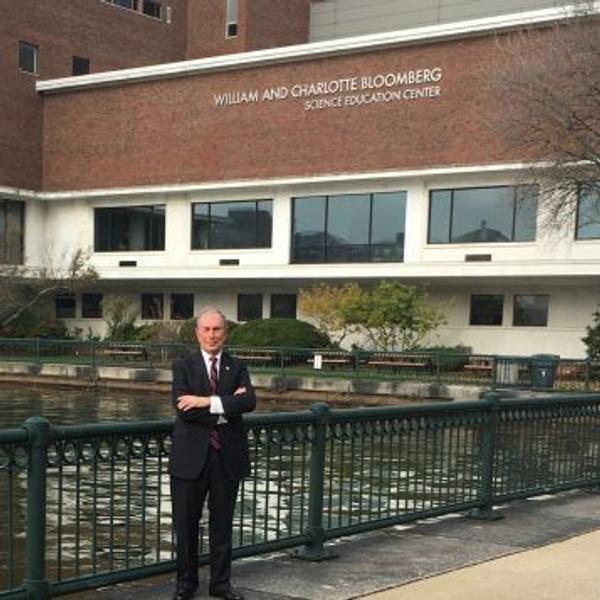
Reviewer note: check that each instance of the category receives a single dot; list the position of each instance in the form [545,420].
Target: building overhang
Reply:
[318,50]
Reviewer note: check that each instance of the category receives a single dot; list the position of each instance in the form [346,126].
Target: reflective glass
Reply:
[65,305]
[388,226]
[526,197]
[588,214]
[152,306]
[249,307]
[91,305]
[486,309]
[348,228]
[182,306]
[309,229]
[200,220]
[283,306]
[129,228]
[440,206]
[12,224]
[482,215]
[531,310]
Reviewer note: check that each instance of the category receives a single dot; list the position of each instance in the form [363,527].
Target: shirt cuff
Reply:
[216,406]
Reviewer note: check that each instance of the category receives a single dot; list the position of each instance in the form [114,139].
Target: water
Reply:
[67,406]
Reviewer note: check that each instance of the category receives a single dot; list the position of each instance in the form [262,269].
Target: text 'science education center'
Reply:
[232,152]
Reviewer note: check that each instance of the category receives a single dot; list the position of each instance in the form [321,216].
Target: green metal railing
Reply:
[95,359]
[83,506]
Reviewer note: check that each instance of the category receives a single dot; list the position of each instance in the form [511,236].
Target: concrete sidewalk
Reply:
[545,549]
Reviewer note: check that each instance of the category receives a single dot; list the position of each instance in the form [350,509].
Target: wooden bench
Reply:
[257,358]
[331,361]
[481,365]
[396,364]
[129,351]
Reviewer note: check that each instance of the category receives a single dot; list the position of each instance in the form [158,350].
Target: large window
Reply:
[91,305]
[222,225]
[152,307]
[349,228]
[182,306]
[588,213]
[129,228]
[28,58]
[530,310]
[12,226]
[249,307]
[494,214]
[486,309]
[283,306]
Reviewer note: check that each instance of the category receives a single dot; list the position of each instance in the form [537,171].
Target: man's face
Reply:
[210,332]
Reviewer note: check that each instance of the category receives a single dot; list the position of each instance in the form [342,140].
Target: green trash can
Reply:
[543,370]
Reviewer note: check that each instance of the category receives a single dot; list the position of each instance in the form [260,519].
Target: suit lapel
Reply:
[201,382]
[225,375]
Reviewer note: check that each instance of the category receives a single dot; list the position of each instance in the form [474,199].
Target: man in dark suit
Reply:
[211,390]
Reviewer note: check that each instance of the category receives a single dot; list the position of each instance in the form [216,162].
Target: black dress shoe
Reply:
[226,593]
[183,594]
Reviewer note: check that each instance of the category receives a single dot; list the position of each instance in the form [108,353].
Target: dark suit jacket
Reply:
[190,434]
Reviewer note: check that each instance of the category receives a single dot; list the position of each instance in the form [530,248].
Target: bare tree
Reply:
[546,84]
[21,288]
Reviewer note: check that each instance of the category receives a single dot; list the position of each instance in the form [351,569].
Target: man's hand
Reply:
[188,402]
[241,390]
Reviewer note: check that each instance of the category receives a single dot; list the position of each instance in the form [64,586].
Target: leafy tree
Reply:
[396,316]
[391,315]
[22,288]
[332,308]
[592,339]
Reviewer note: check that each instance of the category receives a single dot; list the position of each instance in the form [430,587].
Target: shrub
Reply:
[266,333]
[592,339]
[31,324]
[451,358]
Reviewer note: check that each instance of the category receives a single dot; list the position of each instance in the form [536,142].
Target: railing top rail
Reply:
[13,436]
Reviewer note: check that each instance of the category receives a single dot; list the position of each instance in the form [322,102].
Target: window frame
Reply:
[99,313]
[171,306]
[194,239]
[23,45]
[77,62]
[451,191]
[153,215]
[241,318]
[582,189]
[515,311]
[145,298]
[232,19]
[471,313]
[295,315]
[371,257]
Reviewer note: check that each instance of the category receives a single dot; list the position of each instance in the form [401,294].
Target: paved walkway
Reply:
[545,549]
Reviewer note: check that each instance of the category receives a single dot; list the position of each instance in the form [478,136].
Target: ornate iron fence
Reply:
[82,506]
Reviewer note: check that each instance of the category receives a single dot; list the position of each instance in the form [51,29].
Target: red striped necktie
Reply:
[214,439]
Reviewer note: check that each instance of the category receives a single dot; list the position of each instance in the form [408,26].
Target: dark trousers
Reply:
[188,498]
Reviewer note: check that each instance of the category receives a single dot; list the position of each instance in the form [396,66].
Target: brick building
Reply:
[236,163]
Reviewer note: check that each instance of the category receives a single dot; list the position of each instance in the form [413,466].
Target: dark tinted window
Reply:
[498,214]
[249,307]
[223,225]
[152,9]
[129,228]
[91,305]
[152,307]
[65,305]
[486,310]
[531,310]
[81,65]
[283,306]
[349,228]
[182,306]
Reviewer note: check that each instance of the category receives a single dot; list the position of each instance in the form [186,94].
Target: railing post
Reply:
[282,362]
[315,550]
[488,445]
[495,367]
[588,374]
[38,350]
[37,586]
